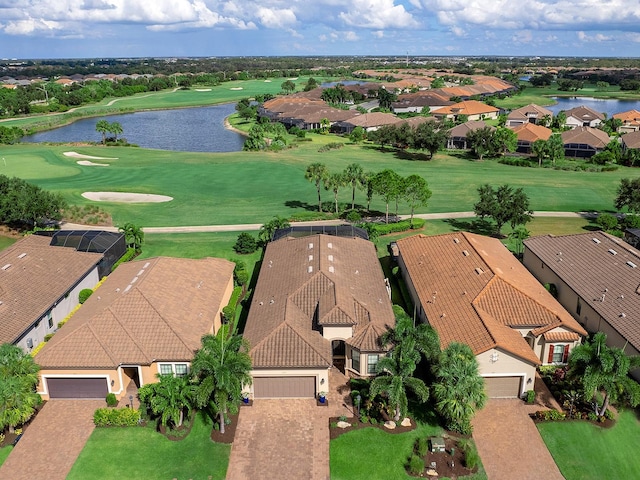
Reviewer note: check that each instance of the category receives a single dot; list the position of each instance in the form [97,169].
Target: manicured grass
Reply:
[137,452]
[4,453]
[6,241]
[252,187]
[584,451]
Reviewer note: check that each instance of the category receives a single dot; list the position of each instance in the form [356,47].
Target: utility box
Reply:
[436,444]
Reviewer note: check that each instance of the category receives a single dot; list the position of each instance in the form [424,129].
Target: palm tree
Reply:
[333,182]
[170,397]
[116,129]
[18,380]
[459,388]
[599,367]
[354,176]
[221,368]
[102,126]
[316,173]
[424,339]
[134,236]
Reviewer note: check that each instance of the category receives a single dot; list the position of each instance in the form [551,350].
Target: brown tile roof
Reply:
[466,127]
[473,290]
[528,111]
[32,283]
[415,121]
[530,132]
[593,137]
[584,114]
[146,310]
[604,271]
[336,281]
[374,119]
[631,140]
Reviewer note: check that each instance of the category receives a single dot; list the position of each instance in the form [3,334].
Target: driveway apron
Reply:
[51,444]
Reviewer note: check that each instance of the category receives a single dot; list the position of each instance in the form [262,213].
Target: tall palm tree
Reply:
[459,388]
[116,129]
[102,126]
[602,368]
[170,397]
[334,182]
[354,176]
[316,173]
[424,338]
[221,368]
[18,380]
[133,235]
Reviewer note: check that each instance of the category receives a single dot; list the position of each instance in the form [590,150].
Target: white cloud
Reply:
[276,18]
[598,37]
[377,14]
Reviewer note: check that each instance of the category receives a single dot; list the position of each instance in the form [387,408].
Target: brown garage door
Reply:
[77,387]
[503,387]
[284,387]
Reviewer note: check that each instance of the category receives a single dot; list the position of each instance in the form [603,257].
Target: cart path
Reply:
[314,223]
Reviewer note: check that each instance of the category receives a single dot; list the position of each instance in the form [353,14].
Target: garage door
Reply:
[284,387]
[503,387]
[77,387]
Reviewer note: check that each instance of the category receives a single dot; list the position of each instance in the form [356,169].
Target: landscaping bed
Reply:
[335,431]
[449,463]
[229,431]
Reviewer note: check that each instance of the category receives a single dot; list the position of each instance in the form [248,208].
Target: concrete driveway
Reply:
[51,444]
[509,443]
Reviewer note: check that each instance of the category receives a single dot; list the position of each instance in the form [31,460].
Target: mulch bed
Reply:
[447,465]
[229,431]
[179,433]
[335,432]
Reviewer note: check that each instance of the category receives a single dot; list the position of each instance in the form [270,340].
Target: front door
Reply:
[338,349]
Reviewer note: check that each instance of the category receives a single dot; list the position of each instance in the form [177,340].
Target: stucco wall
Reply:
[337,333]
[497,362]
[217,320]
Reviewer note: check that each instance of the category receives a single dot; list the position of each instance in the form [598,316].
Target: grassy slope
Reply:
[4,453]
[584,451]
[137,452]
[6,241]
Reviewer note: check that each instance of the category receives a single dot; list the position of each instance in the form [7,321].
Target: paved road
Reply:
[256,226]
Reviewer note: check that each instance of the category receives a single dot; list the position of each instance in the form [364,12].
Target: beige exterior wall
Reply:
[321,375]
[364,359]
[498,363]
[63,307]
[337,333]
[110,375]
[217,320]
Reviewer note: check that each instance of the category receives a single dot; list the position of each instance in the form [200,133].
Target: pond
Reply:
[199,129]
[608,106]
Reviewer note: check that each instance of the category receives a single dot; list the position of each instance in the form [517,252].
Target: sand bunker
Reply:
[236,88]
[88,157]
[267,81]
[203,89]
[125,197]
[87,163]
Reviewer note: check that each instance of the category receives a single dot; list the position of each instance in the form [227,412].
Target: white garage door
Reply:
[502,387]
[284,387]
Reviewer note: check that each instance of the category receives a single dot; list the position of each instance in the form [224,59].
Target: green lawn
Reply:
[371,454]
[137,452]
[4,453]
[584,451]
[6,241]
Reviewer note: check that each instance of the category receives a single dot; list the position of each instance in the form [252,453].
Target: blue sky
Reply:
[165,28]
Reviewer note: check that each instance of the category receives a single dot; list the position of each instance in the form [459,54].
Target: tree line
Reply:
[22,203]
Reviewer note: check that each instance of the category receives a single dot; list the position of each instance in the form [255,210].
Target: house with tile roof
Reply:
[584,142]
[39,287]
[458,135]
[630,140]
[370,122]
[147,318]
[321,302]
[597,277]
[583,117]
[472,109]
[531,113]
[528,133]
[416,102]
[630,121]
[472,290]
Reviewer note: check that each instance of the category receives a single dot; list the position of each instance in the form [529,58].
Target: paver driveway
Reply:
[286,438]
[509,443]
[51,444]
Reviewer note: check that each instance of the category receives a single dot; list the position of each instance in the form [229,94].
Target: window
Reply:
[372,362]
[355,360]
[50,322]
[176,369]
[165,369]
[558,354]
[181,369]
[578,307]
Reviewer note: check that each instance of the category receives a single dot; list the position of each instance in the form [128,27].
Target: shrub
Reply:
[84,295]
[471,457]
[364,419]
[111,399]
[353,216]
[342,418]
[422,446]
[229,313]
[608,414]
[116,417]
[245,244]
[416,465]
[129,255]
[48,336]
[592,416]
[531,396]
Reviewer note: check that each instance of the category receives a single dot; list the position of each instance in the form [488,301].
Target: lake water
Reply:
[199,129]
[607,106]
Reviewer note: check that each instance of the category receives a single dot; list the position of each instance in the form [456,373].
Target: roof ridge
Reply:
[97,337]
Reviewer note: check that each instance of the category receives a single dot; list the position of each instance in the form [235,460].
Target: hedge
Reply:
[116,417]
[397,227]
[129,255]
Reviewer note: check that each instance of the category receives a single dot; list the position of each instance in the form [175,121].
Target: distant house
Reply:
[146,319]
[458,134]
[472,290]
[472,109]
[321,302]
[368,121]
[630,121]
[630,140]
[528,114]
[583,117]
[584,142]
[39,287]
[416,102]
[528,133]
[597,277]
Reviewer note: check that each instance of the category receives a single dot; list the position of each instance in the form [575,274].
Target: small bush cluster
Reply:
[416,465]
[116,417]
[84,295]
[129,255]
[397,227]
[422,445]
[330,146]
[548,415]
[531,396]
[89,214]
[245,244]
[240,273]
[111,400]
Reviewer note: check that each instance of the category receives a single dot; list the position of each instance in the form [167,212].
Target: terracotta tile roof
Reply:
[604,272]
[328,280]
[467,107]
[561,336]
[631,140]
[593,137]
[628,117]
[473,290]
[530,132]
[146,310]
[32,283]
